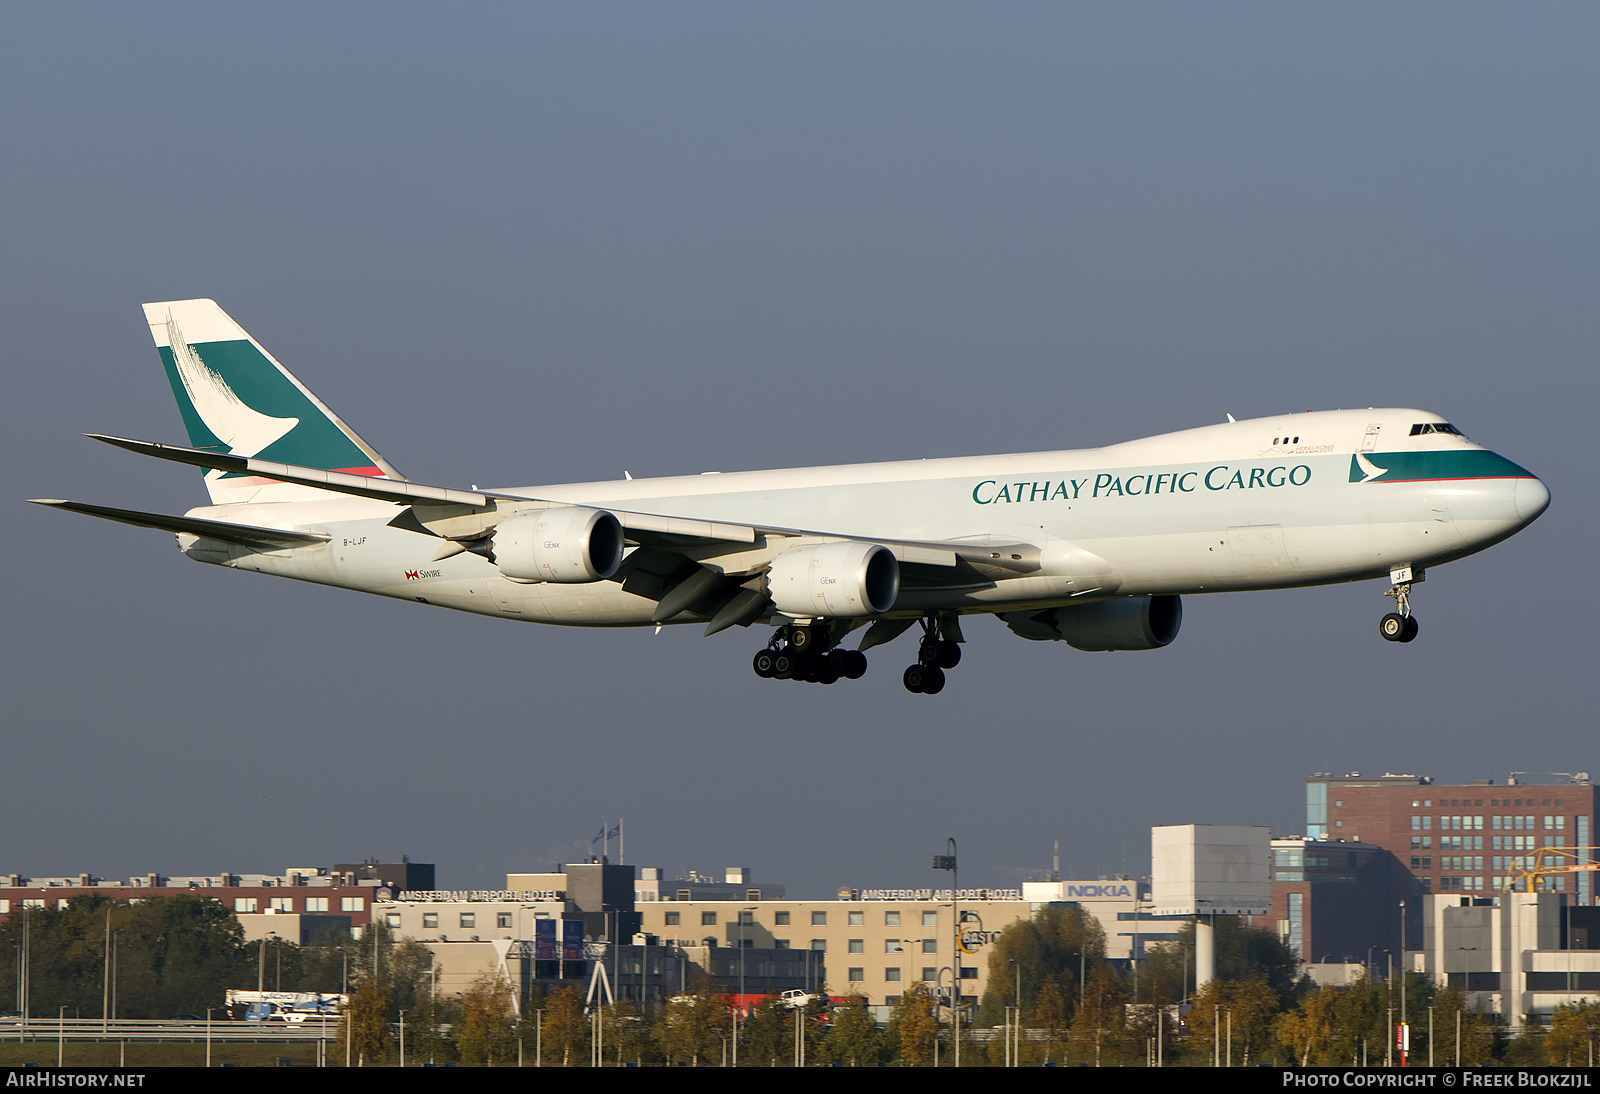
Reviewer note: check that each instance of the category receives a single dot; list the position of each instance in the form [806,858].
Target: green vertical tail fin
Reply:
[235,397]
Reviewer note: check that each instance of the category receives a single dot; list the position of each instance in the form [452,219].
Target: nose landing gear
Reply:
[1400,625]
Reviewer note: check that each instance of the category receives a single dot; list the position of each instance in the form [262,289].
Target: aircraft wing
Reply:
[470,514]
[685,564]
[246,535]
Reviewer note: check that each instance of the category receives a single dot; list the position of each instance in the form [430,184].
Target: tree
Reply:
[1361,1015]
[853,1038]
[626,1037]
[174,955]
[483,1034]
[1337,1027]
[1054,944]
[1242,952]
[529,1017]
[329,964]
[1052,1013]
[1245,1011]
[813,1019]
[1307,1030]
[768,1035]
[364,1029]
[693,1025]
[1571,1040]
[566,1027]
[1526,1049]
[1099,1029]
[1460,1032]
[915,1025]
[411,965]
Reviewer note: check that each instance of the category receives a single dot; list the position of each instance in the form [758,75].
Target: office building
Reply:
[1474,839]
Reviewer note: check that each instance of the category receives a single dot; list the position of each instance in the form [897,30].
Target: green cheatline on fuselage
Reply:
[1475,463]
[260,385]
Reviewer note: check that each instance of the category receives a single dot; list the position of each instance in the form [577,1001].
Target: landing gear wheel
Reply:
[801,638]
[763,664]
[924,679]
[855,665]
[1400,625]
[934,655]
[939,652]
[783,666]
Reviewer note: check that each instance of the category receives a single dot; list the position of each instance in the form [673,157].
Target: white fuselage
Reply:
[1272,502]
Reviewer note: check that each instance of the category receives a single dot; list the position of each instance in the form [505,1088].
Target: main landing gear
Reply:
[807,653]
[1400,625]
[934,655]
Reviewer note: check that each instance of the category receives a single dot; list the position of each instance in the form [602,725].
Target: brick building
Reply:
[1462,839]
[1338,902]
[310,899]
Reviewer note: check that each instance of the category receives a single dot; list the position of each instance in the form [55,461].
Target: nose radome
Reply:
[1532,498]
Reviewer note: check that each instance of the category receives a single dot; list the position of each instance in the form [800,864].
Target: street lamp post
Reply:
[939,989]
[25,976]
[1405,1030]
[947,861]
[743,938]
[105,1009]
[114,934]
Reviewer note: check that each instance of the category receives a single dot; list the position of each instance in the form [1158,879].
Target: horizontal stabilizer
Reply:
[364,486]
[246,535]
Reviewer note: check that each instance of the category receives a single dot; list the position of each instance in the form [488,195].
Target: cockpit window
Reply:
[1435,427]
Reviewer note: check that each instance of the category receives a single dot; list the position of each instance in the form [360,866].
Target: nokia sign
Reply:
[1115,889]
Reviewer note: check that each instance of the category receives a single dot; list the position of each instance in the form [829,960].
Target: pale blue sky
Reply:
[539,243]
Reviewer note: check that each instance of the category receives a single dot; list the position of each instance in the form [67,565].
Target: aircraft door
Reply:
[1260,554]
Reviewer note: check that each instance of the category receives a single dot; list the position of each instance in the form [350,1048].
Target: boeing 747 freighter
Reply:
[1092,547]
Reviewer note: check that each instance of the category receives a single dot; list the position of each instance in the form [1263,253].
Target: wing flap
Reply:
[639,527]
[246,535]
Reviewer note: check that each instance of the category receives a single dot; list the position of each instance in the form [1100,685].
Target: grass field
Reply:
[158,1054]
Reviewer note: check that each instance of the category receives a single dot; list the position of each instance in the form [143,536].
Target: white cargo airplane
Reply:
[1093,547]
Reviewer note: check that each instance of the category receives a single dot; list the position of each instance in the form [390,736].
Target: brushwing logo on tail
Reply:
[245,430]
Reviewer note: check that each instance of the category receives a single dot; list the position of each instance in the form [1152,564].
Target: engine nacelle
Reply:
[834,579]
[569,545]
[1132,623]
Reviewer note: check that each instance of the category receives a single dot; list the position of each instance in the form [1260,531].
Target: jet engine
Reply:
[834,579]
[1131,623]
[568,545]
